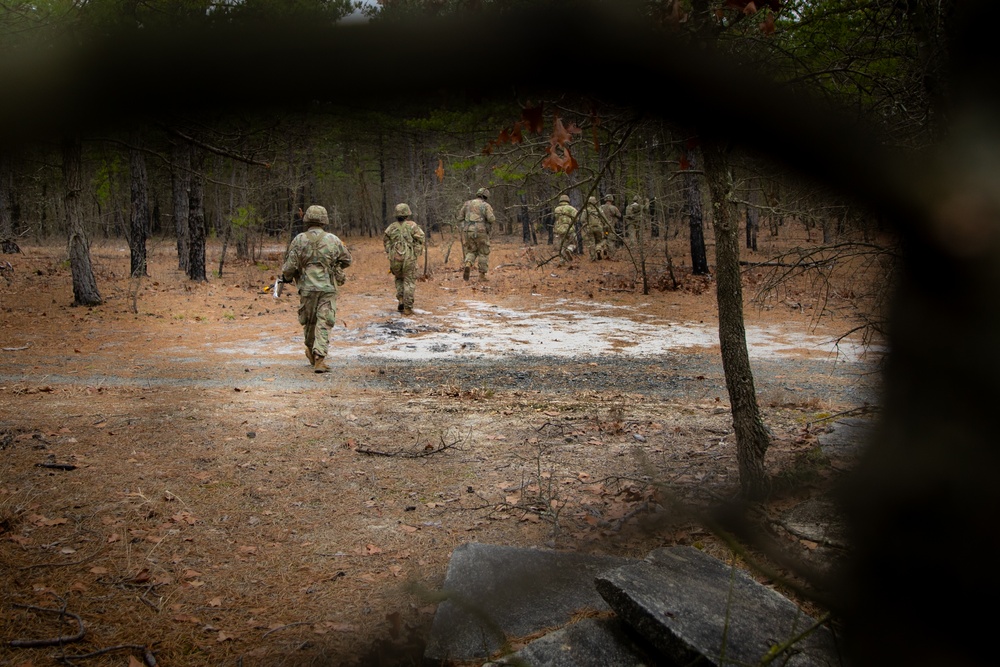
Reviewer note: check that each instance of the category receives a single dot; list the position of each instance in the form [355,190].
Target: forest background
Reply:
[705,90]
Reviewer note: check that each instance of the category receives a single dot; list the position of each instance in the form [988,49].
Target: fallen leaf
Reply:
[215,602]
[224,636]
[98,570]
[134,662]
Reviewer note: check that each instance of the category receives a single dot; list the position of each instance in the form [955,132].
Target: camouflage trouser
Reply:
[317,315]
[476,241]
[406,280]
[598,245]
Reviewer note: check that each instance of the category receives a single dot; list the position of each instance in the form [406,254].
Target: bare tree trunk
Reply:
[180,179]
[752,439]
[84,285]
[6,197]
[753,216]
[139,208]
[696,219]
[196,218]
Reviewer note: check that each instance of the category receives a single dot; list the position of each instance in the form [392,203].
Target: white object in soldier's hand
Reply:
[278,284]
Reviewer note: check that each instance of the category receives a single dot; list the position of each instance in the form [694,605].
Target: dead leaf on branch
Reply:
[439,172]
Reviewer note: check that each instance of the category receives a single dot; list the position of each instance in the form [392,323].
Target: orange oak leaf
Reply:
[439,172]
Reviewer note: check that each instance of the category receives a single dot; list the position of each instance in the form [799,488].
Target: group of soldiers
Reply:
[602,227]
[316,258]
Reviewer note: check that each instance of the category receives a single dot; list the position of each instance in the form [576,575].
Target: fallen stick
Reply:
[16,349]
[147,656]
[58,641]
[56,466]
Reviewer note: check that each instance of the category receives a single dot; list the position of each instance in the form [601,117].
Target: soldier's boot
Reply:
[482,277]
[319,366]
[407,310]
[465,273]
[310,357]
[401,307]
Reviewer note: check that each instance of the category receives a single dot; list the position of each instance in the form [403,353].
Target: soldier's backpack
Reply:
[401,244]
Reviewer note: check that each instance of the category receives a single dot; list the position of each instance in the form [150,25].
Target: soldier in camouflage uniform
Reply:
[633,219]
[565,215]
[597,228]
[614,217]
[476,219]
[404,243]
[315,261]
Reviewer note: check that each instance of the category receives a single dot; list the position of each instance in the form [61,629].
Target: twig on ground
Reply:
[73,562]
[427,451]
[56,466]
[147,655]
[57,641]
[285,627]
[16,349]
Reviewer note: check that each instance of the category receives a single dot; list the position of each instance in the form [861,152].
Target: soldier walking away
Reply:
[633,219]
[614,217]
[564,214]
[476,221]
[404,243]
[316,260]
[596,228]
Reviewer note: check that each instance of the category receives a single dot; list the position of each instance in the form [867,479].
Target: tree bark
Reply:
[85,291]
[752,439]
[6,197]
[196,218]
[753,216]
[696,219]
[139,209]
[180,179]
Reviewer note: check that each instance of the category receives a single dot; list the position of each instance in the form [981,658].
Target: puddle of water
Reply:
[569,329]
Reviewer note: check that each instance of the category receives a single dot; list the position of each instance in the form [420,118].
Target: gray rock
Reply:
[847,437]
[592,642]
[692,606]
[819,520]
[497,592]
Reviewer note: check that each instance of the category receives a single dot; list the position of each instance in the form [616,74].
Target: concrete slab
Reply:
[499,592]
[695,609]
[592,642]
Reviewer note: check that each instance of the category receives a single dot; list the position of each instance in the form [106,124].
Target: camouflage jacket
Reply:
[611,213]
[593,218]
[314,260]
[565,215]
[403,241]
[476,211]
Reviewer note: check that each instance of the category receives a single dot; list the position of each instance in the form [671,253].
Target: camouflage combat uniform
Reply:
[613,215]
[565,215]
[315,261]
[404,243]
[476,219]
[597,228]
[633,219]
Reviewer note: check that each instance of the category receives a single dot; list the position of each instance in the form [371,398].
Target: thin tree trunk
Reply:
[139,208]
[753,216]
[180,179]
[696,219]
[85,291]
[196,218]
[752,439]
[6,197]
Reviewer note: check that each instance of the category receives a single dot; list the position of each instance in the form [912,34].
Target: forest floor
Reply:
[174,475]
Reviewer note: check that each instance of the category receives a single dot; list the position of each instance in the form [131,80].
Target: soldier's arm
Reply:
[345,256]
[290,268]
[418,237]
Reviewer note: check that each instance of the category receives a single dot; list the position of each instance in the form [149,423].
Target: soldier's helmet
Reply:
[609,198]
[403,210]
[563,199]
[483,192]
[591,200]
[316,215]
[635,199]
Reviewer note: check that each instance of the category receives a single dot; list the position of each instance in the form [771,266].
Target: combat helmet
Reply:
[483,192]
[316,215]
[403,211]
[609,198]
[591,199]
[563,199]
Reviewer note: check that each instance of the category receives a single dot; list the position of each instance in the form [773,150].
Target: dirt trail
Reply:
[219,501]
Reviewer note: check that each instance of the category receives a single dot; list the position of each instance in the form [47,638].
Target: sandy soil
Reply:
[176,476]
